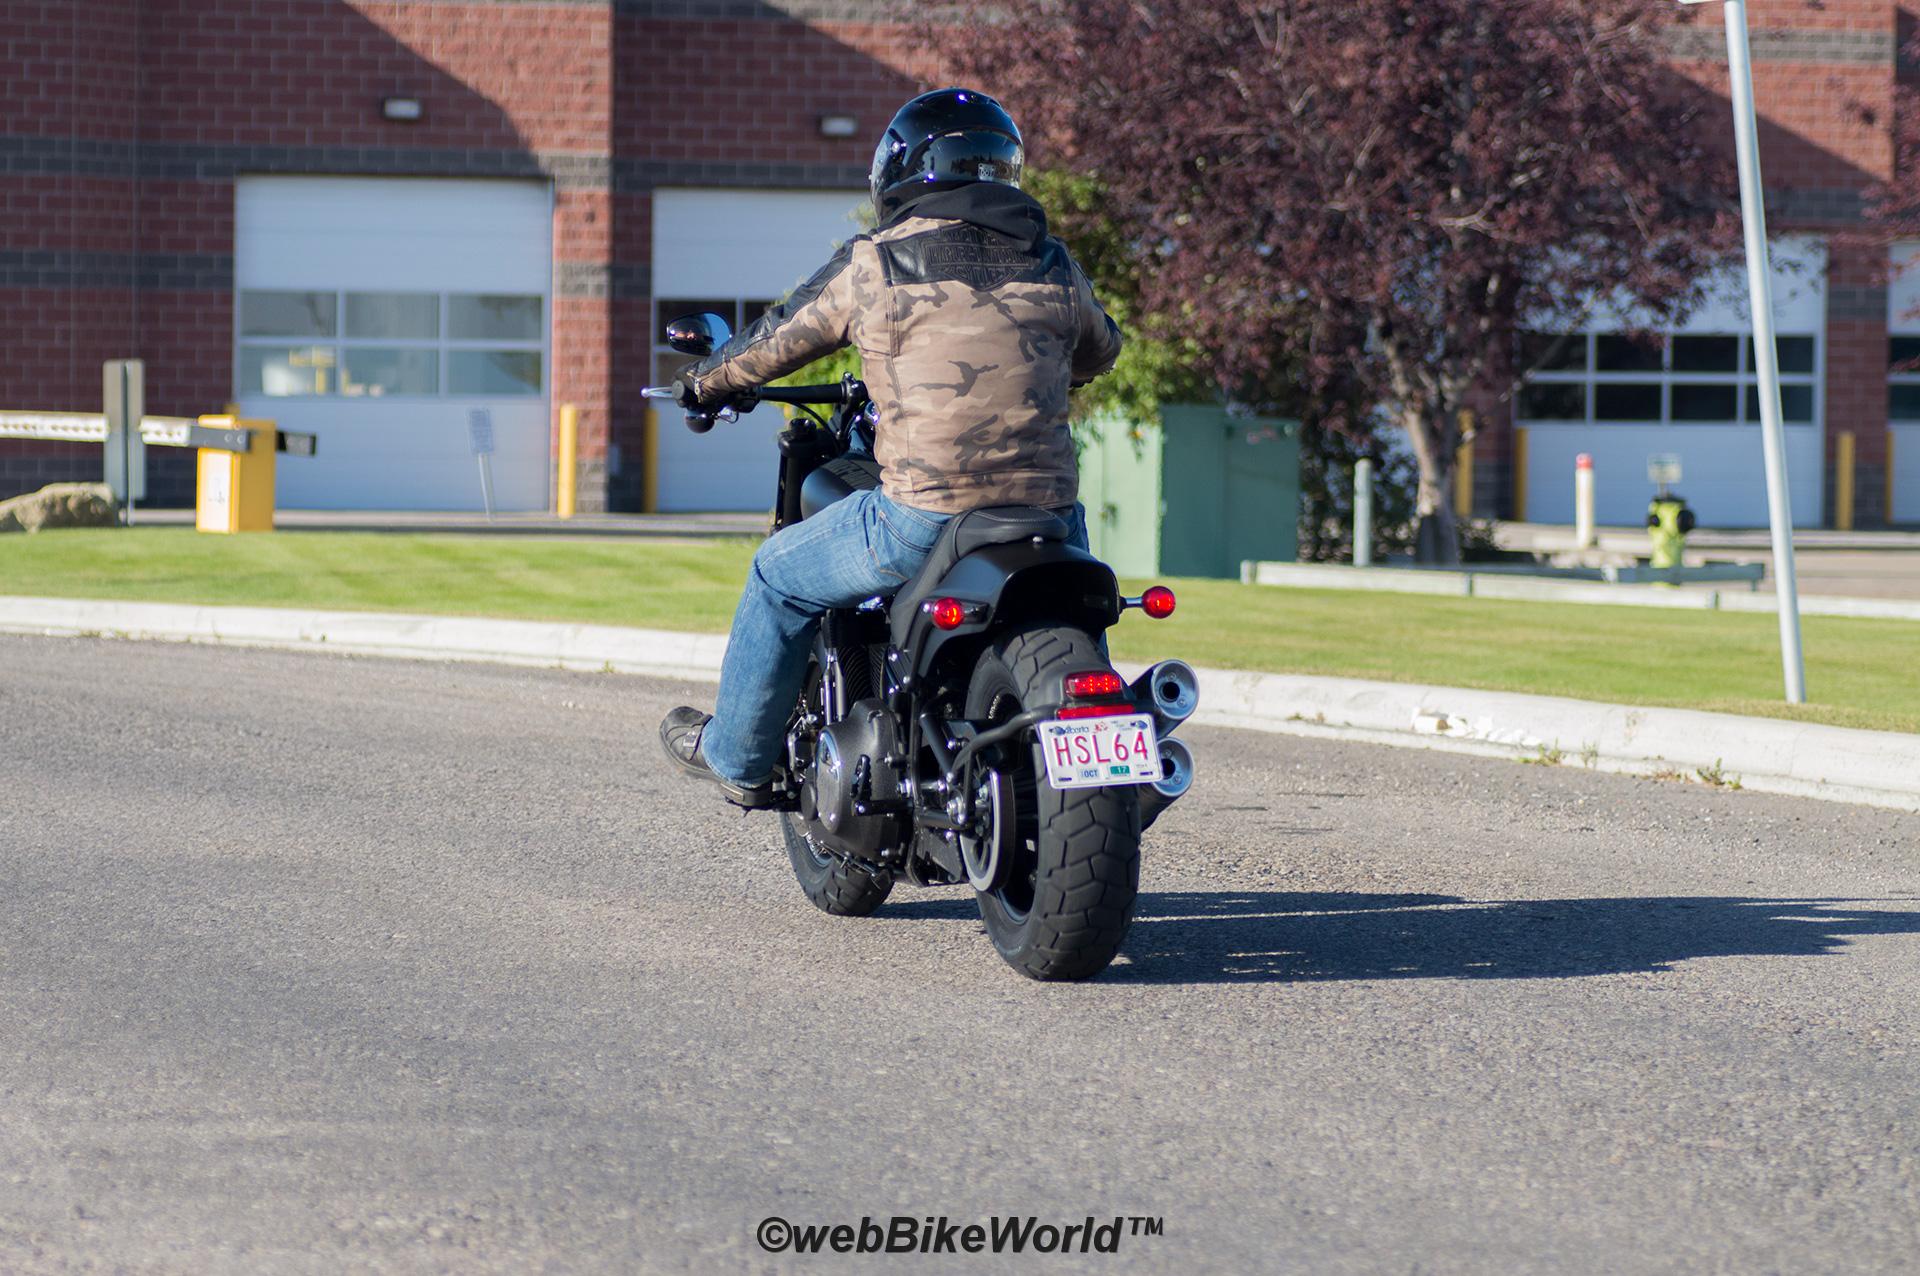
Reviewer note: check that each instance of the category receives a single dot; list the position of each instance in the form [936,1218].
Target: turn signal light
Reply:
[1157,602]
[1092,686]
[948,613]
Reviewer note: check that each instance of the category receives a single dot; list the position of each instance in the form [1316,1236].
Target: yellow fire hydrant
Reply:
[1668,522]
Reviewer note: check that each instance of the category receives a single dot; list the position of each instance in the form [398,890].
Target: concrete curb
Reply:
[594,648]
[1469,583]
[1876,768]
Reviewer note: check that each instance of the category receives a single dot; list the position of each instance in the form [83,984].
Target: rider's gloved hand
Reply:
[687,395]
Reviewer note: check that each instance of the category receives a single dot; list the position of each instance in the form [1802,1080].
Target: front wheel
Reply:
[832,884]
[1064,897]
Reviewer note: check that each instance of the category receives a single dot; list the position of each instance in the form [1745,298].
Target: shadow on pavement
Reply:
[1259,936]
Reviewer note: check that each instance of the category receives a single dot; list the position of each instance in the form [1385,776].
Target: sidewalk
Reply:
[1876,768]
[1827,563]
[464,523]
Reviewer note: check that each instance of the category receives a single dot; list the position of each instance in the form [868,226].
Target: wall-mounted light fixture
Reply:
[838,126]
[404,110]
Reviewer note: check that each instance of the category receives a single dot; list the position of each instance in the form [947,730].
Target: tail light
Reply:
[1157,602]
[1094,686]
[948,613]
[1104,685]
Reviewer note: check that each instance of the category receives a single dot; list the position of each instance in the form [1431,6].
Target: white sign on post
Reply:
[480,436]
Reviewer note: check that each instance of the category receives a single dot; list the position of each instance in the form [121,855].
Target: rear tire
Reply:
[1063,905]
[832,885]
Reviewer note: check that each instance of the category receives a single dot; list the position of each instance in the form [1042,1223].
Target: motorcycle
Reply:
[968,729]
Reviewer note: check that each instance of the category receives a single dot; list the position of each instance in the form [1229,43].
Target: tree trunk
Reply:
[1438,543]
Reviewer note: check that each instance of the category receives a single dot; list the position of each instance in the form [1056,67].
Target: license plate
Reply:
[1083,753]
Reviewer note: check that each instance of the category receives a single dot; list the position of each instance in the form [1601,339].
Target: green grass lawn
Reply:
[1862,673]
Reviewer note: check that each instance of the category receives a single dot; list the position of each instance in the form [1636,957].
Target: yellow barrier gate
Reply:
[234,488]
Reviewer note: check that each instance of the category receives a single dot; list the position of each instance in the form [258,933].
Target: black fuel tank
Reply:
[839,477]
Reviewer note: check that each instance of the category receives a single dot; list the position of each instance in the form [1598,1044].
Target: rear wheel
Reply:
[1065,893]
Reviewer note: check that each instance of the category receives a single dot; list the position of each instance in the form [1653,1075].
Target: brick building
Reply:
[369,218]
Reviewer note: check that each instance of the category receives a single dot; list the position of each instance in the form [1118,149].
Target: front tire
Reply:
[1064,901]
[830,883]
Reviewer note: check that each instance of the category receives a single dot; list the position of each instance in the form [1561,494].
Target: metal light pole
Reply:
[1753,218]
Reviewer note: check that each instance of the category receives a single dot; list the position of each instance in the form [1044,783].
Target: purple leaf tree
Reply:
[1383,190]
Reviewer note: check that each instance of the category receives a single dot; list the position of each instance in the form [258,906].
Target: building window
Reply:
[390,344]
[1903,377]
[1614,378]
[667,361]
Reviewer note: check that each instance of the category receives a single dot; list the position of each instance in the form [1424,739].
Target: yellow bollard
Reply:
[569,476]
[1886,508]
[1843,481]
[650,458]
[1519,474]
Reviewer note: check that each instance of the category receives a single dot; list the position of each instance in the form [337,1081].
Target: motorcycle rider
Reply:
[972,323]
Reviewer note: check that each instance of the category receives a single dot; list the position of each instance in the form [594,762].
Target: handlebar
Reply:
[838,393]
[846,390]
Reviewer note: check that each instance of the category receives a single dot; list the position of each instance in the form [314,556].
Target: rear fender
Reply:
[1015,584]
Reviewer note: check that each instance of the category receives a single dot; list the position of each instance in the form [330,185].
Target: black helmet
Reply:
[946,136]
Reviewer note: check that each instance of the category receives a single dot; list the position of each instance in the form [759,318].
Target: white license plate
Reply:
[1082,753]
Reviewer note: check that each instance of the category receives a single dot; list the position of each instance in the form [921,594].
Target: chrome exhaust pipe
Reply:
[1169,691]
[1176,777]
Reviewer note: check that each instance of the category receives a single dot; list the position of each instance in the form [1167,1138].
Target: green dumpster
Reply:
[1193,494]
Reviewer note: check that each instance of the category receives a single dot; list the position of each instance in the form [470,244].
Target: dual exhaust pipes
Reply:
[1170,692]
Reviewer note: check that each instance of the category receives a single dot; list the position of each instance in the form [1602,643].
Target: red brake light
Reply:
[1093,710]
[1090,686]
[948,613]
[1157,602]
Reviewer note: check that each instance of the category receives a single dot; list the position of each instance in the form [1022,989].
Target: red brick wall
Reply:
[207,89]
[117,236]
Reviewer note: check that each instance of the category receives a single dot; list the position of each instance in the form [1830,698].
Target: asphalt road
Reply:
[310,964]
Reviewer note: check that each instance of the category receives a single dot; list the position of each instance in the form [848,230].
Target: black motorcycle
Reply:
[970,728]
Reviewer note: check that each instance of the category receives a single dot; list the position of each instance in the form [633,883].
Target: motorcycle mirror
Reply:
[699,335]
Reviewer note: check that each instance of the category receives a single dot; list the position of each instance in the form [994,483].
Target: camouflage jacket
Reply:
[971,323]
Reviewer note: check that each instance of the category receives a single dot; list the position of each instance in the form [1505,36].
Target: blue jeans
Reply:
[859,546]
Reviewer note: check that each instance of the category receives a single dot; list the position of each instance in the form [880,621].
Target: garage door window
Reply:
[390,344]
[1613,378]
[738,312]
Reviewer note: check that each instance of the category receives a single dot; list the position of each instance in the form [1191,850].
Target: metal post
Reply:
[1584,536]
[1753,217]
[486,482]
[124,460]
[1363,513]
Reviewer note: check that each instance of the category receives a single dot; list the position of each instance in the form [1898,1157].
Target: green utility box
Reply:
[1194,494]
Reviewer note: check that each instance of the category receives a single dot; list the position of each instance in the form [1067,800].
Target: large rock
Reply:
[60,505]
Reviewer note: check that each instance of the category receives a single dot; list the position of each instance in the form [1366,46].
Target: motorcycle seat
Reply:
[963,534]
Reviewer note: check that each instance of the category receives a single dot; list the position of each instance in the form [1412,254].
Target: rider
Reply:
[972,323]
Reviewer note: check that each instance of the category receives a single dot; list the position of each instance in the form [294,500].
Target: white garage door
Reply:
[1692,393]
[1903,437]
[733,252]
[380,314]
